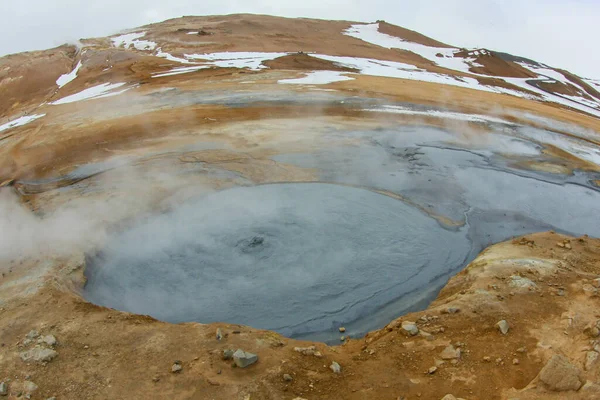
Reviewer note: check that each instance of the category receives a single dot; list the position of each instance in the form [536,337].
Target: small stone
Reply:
[596,283]
[287,377]
[591,358]
[3,389]
[503,327]
[342,329]
[32,334]
[86,347]
[450,353]
[29,387]
[156,379]
[308,351]
[516,361]
[50,340]
[453,310]
[449,397]
[592,330]
[176,367]
[487,359]
[38,354]
[335,367]
[410,328]
[560,375]
[227,354]
[51,398]
[426,335]
[219,334]
[244,359]
[431,370]
[342,338]
[521,350]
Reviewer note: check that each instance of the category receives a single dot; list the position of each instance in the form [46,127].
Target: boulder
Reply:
[335,367]
[503,327]
[244,359]
[560,375]
[38,354]
[450,353]
[410,328]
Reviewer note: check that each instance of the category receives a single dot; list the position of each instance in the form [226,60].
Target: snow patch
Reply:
[392,69]
[317,78]
[131,39]
[66,78]
[442,56]
[440,114]
[94,92]
[20,121]
[180,70]
[160,53]
[250,60]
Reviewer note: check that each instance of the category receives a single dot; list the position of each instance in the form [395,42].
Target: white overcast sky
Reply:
[561,33]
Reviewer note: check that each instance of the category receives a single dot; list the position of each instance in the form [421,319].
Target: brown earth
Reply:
[545,292]
[544,285]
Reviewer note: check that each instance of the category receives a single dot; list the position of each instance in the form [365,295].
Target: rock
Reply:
[596,283]
[3,389]
[431,370]
[591,358]
[176,367]
[592,329]
[560,375]
[503,327]
[516,361]
[450,353]
[449,397]
[32,334]
[342,338]
[219,334]
[29,387]
[520,282]
[244,359]
[342,329]
[410,328]
[335,367]
[591,387]
[426,335]
[50,340]
[589,290]
[453,310]
[287,377]
[38,354]
[51,398]
[227,354]
[308,351]
[487,359]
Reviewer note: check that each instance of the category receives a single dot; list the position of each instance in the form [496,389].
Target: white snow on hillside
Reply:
[439,114]
[20,121]
[250,60]
[66,78]
[170,57]
[94,92]
[180,70]
[442,56]
[131,39]
[317,78]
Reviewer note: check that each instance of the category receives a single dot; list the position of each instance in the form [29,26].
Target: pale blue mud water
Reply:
[296,258]
[304,259]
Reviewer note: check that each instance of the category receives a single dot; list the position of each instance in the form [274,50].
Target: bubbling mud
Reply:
[295,258]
